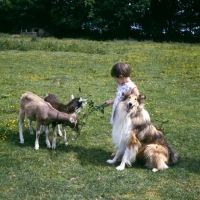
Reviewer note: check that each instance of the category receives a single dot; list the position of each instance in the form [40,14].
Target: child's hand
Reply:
[108,102]
[105,104]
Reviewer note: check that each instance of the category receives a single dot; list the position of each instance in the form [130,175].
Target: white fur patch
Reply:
[122,126]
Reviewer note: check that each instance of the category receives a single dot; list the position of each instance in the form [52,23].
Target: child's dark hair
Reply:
[120,69]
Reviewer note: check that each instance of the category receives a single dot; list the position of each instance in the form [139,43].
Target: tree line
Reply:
[177,20]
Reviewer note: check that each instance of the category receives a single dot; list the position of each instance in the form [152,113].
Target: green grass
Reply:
[167,73]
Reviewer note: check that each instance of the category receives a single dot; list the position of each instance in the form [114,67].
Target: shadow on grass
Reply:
[93,155]
[190,164]
[86,155]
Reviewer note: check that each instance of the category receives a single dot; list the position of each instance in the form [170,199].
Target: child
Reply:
[121,73]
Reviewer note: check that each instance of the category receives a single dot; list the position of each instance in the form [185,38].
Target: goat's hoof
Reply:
[21,142]
[66,143]
[36,148]
[110,161]
[48,146]
[120,168]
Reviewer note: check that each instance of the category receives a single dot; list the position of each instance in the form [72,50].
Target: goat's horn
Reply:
[82,100]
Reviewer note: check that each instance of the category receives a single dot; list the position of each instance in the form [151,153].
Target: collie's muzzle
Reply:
[129,106]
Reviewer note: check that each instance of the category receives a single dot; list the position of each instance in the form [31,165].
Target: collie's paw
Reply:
[111,161]
[120,167]
[154,170]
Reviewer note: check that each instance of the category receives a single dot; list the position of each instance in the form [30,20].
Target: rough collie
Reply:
[135,137]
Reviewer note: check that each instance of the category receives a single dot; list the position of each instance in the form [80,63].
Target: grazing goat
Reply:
[75,105]
[36,109]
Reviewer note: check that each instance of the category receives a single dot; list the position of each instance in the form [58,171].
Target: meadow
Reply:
[167,73]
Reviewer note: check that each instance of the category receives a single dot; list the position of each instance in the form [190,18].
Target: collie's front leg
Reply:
[125,159]
[128,157]
[119,152]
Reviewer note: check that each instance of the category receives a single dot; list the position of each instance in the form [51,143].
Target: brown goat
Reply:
[36,109]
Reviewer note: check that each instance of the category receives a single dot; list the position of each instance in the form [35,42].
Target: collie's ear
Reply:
[141,98]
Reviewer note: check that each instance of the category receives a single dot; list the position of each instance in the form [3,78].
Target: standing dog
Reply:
[135,137]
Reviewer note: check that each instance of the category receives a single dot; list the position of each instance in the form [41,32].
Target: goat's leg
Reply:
[119,152]
[54,137]
[38,132]
[21,126]
[64,134]
[47,136]
[59,131]
[30,127]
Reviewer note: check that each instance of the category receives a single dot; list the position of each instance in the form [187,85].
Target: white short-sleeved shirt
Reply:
[122,88]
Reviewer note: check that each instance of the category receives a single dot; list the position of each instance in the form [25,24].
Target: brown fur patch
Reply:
[133,140]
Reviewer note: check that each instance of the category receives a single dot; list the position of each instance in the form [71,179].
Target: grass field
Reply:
[167,73]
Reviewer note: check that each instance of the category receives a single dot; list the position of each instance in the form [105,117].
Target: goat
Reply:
[75,105]
[36,109]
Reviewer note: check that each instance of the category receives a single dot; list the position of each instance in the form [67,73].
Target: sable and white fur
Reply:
[144,141]
[122,128]
[36,109]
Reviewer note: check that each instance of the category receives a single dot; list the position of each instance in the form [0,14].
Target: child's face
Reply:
[118,80]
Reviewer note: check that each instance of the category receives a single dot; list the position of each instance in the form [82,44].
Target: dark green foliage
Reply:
[164,20]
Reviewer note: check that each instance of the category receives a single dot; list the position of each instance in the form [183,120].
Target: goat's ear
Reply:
[72,97]
[82,100]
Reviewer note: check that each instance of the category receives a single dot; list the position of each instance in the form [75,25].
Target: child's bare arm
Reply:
[108,102]
[135,91]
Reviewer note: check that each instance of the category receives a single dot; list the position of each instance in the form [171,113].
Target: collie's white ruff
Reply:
[122,127]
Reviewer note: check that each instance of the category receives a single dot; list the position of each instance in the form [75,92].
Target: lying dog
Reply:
[135,137]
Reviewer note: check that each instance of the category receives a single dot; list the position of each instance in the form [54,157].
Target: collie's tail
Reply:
[173,157]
